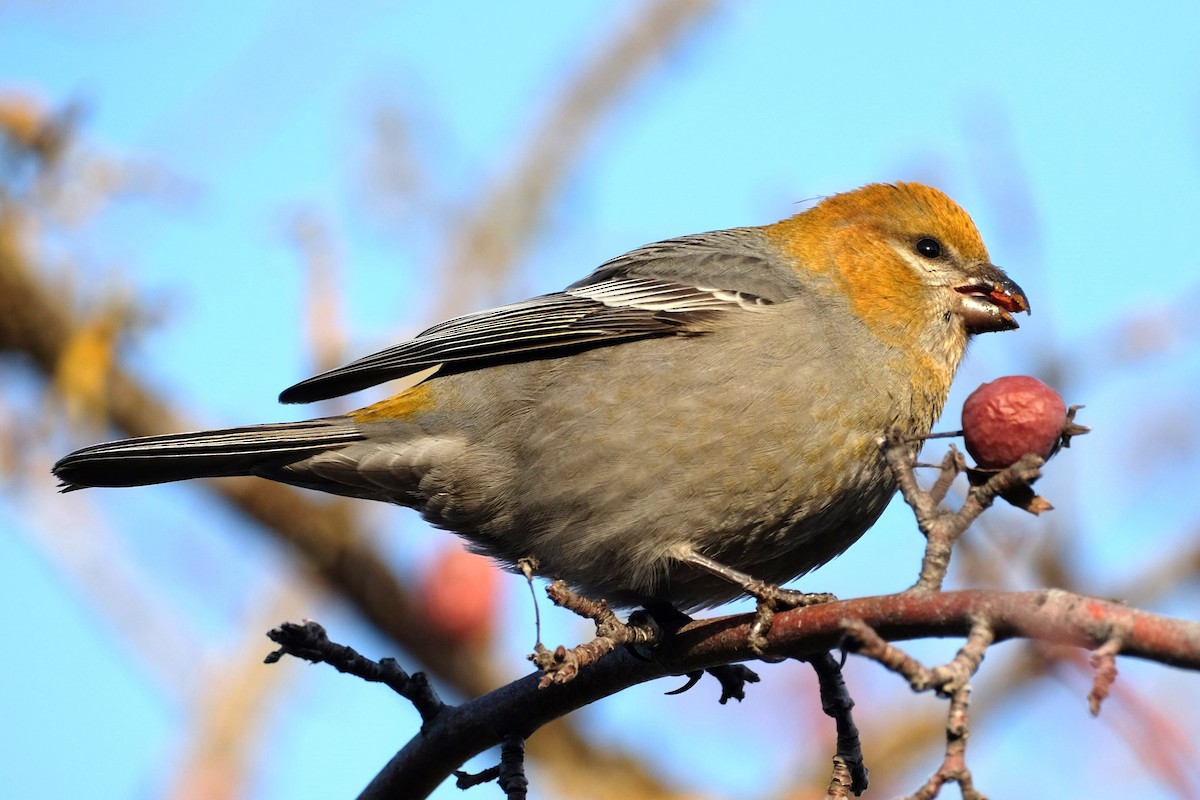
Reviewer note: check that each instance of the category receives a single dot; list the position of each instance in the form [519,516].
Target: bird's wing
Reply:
[679,286]
[593,314]
[737,260]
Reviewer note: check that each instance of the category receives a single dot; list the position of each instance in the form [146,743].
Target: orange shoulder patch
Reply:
[397,407]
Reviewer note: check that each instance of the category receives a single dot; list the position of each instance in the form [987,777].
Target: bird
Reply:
[696,418]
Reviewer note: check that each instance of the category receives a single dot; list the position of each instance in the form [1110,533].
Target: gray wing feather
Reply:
[738,259]
[622,300]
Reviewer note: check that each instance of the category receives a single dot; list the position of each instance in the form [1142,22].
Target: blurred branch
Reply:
[323,289]
[33,322]
[1175,569]
[230,704]
[495,233]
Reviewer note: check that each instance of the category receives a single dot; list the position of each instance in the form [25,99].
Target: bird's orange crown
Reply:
[852,238]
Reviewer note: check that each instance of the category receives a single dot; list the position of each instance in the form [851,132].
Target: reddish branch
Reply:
[1104,661]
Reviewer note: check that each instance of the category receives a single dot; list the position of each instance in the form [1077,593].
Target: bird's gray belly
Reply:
[608,466]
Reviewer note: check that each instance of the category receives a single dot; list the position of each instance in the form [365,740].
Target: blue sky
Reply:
[1072,135]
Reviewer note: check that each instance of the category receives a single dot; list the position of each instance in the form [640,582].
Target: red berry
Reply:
[459,595]
[1009,417]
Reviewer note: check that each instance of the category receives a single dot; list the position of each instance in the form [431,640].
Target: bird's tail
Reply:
[204,454]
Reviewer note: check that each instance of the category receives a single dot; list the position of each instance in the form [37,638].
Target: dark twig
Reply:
[512,768]
[837,703]
[310,642]
[469,780]
[509,774]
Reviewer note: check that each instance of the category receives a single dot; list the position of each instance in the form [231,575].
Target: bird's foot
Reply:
[771,598]
[732,677]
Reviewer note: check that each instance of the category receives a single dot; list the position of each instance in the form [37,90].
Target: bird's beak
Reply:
[988,302]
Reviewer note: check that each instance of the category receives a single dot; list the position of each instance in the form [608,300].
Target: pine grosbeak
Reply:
[694,412]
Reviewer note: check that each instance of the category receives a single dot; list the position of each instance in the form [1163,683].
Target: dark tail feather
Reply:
[205,454]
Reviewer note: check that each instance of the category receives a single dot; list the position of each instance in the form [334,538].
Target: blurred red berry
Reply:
[458,595]
[1009,417]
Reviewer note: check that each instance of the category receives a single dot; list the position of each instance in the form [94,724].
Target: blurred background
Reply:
[202,203]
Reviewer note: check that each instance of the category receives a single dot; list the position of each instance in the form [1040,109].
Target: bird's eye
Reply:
[929,248]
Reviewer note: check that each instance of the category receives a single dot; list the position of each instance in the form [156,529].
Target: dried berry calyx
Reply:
[1011,416]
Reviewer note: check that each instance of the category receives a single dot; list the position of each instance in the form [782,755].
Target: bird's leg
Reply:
[771,598]
[732,677]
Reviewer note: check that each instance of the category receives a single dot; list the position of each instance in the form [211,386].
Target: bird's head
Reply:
[909,264]
[908,259]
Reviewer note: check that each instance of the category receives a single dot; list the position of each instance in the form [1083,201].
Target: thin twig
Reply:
[942,528]
[309,641]
[950,680]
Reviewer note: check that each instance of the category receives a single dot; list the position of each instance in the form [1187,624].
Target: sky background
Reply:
[1071,135]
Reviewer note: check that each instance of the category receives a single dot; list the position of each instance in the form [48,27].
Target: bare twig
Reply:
[953,768]
[942,527]
[949,680]
[509,773]
[310,642]
[952,465]
[1104,661]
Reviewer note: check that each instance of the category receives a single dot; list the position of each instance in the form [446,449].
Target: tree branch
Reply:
[521,707]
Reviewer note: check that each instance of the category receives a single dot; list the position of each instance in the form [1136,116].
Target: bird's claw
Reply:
[772,598]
